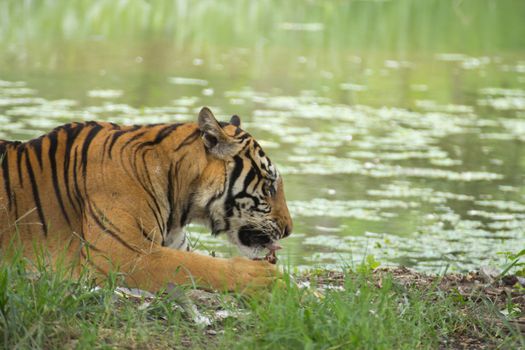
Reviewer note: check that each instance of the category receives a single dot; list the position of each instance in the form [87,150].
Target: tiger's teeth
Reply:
[274,246]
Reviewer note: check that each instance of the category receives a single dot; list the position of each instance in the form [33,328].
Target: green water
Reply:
[399,126]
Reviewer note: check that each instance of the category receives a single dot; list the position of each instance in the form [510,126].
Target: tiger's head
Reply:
[243,192]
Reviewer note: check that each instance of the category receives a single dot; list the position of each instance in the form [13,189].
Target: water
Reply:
[399,126]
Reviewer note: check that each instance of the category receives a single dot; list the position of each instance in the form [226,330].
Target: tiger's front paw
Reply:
[248,275]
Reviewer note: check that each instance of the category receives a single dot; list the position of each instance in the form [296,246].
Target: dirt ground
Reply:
[506,294]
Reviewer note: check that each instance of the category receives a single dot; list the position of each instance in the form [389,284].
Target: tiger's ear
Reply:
[214,138]
[235,121]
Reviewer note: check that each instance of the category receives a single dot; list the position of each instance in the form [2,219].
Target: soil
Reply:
[478,286]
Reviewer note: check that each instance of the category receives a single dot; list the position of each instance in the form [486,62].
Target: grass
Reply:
[47,309]
[40,308]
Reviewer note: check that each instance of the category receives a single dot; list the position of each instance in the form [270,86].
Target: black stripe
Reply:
[255,168]
[243,136]
[52,137]
[171,201]
[246,145]
[161,135]
[72,132]
[144,233]
[15,205]
[85,147]
[254,165]
[256,145]
[186,211]
[36,145]
[104,146]
[128,142]
[248,179]
[114,127]
[189,139]
[216,197]
[187,206]
[36,197]
[165,132]
[156,214]
[108,231]
[114,139]
[170,191]
[135,137]
[19,154]
[235,174]
[78,196]
[5,172]
[117,135]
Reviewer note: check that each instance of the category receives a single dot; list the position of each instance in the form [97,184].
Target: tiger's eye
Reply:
[269,189]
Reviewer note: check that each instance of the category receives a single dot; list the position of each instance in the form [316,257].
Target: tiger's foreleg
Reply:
[150,266]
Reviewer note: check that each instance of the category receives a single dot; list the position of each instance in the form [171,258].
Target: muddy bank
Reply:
[505,295]
[486,298]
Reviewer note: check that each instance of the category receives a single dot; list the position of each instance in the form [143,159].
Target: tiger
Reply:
[117,198]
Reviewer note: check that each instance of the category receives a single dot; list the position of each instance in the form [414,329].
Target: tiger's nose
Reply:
[287,231]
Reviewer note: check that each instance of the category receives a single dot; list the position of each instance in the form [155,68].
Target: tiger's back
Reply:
[45,183]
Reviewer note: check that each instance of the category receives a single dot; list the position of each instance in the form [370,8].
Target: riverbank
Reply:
[379,308]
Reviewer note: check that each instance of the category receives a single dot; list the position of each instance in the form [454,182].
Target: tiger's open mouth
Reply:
[252,237]
[254,242]
[271,257]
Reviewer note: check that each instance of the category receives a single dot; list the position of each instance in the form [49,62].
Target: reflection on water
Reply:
[410,150]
